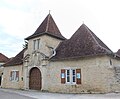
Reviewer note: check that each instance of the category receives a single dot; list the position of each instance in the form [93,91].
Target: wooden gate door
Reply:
[35,79]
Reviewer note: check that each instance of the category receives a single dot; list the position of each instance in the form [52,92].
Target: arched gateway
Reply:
[35,79]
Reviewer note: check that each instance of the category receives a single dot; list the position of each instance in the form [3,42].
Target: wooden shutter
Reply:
[17,75]
[10,75]
[78,76]
[63,76]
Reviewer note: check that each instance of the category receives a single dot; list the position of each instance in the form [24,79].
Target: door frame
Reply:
[40,77]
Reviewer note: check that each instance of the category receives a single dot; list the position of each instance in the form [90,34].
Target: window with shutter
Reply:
[10,75]
[78,76]
[17,75]
[71,76]
[63,76]
[14,75]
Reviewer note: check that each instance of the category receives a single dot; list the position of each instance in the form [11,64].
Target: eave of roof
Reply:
[80,57]
[45,33]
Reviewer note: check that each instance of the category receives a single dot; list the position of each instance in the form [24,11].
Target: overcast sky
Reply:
[20,18]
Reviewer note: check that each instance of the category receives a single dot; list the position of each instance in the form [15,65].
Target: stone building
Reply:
[13,72]
[3,60]
[81,64]
[41,48]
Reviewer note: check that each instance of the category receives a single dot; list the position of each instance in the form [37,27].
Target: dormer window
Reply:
[36,44]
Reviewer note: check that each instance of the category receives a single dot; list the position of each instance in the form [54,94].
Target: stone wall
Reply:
[45,43]
[7,83]
[43,71]
[36,58]
[96,75]
[115,86]
[1,68]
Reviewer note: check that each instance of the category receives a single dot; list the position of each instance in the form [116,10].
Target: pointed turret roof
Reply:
[49,27]
[83,43]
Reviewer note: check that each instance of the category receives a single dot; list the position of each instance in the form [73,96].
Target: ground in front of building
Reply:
[46,95]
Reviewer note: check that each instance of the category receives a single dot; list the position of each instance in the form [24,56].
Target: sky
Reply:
[20,18]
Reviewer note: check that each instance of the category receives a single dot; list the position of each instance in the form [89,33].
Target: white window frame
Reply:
[73,75]
[70,76]
[14,77]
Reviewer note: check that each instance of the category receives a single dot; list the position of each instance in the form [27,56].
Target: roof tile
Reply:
[83,43]
[3,58]
[118,53]
[49,27]
[17,60]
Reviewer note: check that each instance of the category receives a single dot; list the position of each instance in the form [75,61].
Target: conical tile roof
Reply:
[49,27]
[83,43]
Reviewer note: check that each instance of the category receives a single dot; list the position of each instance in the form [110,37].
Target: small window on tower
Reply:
[36,44]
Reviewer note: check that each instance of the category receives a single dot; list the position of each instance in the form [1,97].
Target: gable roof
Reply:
[83,43]
[49,27]
[17,60]
[118,53]
[3,58]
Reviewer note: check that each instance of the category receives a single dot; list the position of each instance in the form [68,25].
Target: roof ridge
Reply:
[47,23]
[91,33]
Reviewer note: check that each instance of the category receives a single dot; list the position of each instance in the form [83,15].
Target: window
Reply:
[68,76]
[14,75]
[36,44]
[1,64]
[71,76]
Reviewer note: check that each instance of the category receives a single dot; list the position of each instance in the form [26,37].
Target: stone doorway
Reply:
[35,79]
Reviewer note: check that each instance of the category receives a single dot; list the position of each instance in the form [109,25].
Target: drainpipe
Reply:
[53,50]
[54,53]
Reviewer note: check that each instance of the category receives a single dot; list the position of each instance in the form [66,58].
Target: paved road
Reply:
[10,95]
[32,94]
